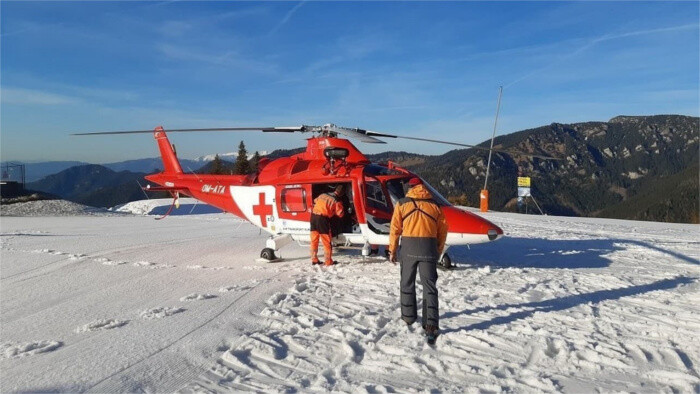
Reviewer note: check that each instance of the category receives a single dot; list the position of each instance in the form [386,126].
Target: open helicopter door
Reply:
[346,230]
[378,211]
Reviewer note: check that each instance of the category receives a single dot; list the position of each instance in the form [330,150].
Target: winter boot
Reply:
[431,334]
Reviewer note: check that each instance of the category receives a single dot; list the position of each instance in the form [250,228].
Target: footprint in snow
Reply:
[253,267]
[112,262]
[9,350]
[148,264]
[47,251]
[160,312]
[106,261]
[197,297]
[101,324]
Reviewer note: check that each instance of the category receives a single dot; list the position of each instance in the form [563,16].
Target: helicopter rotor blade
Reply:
[363,135]
[359,134]
[511,153]
[290,129]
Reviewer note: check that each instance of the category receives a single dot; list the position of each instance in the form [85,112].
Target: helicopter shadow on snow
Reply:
[527,309]
[547,253]
[185,209]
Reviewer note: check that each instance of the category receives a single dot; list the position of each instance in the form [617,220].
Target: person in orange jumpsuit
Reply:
[420,223]
[326,206]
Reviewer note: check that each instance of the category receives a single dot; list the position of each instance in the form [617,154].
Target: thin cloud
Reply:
[34,97]
[19,31]
[21,27]
[348,48]
[225,59]
[286,18]
[603,38]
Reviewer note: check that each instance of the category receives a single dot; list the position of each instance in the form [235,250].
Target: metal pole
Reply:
[536,204]
[495,124]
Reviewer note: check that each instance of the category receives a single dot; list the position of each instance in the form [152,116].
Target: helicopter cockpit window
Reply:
[397,189]
[437,197]
[375,196]
[377,170]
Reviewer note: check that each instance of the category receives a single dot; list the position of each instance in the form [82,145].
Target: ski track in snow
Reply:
[562,304]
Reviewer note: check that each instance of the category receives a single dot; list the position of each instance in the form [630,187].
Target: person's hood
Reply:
[419,192]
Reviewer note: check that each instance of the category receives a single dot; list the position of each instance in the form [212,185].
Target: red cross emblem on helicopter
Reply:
[262,209]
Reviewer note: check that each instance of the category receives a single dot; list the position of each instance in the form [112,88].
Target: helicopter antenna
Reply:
[495,125]
[484,195]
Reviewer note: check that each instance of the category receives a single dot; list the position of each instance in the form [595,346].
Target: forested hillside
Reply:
[634,167]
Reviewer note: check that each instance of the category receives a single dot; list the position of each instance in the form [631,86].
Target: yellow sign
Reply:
[523,181]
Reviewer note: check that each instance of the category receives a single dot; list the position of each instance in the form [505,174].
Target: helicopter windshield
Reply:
[375,196]
[397,188]
[379,190]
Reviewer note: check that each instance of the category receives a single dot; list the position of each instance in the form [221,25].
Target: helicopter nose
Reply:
[465,222]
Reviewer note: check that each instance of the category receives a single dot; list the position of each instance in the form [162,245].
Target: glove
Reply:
[393,258]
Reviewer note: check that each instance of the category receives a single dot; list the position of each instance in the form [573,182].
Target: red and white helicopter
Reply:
[278,198]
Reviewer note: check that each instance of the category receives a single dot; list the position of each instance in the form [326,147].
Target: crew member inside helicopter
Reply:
[346,223]
[326,206]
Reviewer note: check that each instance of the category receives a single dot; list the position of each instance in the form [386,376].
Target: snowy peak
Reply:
[230,156]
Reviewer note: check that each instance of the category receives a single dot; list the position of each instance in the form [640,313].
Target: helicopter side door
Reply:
[294,205]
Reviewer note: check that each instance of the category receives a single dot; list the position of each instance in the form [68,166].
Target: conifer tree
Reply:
[217,166]
[255,161]
[242,164]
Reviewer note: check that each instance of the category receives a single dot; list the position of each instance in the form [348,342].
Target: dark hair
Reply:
[340,188]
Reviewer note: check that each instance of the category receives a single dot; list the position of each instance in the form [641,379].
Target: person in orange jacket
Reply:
[420,223]
[326,206]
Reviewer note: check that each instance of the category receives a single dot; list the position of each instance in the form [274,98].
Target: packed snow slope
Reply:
[160,206]
[127,303]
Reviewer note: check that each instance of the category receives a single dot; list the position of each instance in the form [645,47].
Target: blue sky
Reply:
[414,68]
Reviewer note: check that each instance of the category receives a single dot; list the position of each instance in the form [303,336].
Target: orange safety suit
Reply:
[417,216]
[326,206]
[420,223]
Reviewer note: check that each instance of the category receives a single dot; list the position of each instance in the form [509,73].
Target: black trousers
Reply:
[320,223]
[419,255]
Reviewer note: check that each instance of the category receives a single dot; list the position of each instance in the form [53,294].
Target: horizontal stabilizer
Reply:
[150,188]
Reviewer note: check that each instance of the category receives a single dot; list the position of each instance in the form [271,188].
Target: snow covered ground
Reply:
[126,303]
[49,208]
